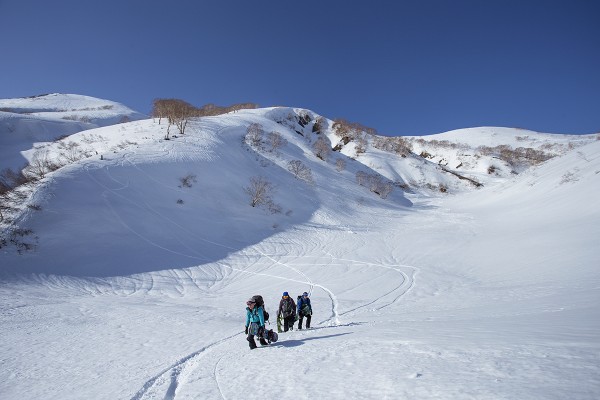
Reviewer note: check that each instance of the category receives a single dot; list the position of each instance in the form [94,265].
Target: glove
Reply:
[246,331]
[261,330]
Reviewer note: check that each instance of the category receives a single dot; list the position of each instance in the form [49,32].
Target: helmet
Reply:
[305,294]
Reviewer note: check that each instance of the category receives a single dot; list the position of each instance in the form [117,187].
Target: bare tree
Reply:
[260,191]
[361,177]
[40,165]
[276,140]
[361,144]
[177,112]
[10,196]
[300,171]
[159,109]
[254,134]
[322,148]
[340,164]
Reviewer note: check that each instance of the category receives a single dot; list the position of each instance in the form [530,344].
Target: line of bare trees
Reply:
[178,112]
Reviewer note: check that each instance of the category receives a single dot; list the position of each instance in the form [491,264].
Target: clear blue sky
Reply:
[402,67]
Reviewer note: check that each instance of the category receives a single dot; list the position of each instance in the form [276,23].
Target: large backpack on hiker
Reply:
[258,299]
[305,309]
[288,308]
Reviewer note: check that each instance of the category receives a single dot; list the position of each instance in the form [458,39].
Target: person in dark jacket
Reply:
[255,324]
[304,310]
[287,311]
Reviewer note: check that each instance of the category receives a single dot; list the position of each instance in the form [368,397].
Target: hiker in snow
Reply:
[304,310]
[255,323]
[287,311]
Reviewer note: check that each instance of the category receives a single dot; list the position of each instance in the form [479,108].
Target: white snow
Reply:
[489,293]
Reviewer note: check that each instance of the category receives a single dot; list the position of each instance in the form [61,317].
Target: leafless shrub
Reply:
[568,177]
[343,128]
[515,157]
[179,201]
[375,183]
[322,148]
[379,185]
[19,238]
[187,181]
[273,208]
[10,179]
[397,145]
[260,191]
[40,165]
[340,164]
[71,151]
[90,138]
[491,169]
[300,171]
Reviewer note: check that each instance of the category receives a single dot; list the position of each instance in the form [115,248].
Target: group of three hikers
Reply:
[288,311]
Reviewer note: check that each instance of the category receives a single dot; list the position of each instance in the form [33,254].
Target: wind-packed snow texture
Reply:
[148,249]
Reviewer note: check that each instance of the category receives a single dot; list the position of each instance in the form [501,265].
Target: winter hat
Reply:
[304,294]
[286,294]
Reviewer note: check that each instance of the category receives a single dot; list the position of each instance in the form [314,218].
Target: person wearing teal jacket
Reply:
[255,324]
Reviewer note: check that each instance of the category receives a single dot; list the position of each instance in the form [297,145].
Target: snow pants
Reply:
[288,323]
[301,317]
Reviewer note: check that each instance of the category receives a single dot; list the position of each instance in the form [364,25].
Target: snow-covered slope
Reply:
[148,248]
[24,122]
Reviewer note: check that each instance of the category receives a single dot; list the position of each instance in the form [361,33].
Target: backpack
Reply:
[258,299]
[305,308]
[288,308]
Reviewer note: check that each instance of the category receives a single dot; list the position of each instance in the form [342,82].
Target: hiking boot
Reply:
[252,343]
[263,342]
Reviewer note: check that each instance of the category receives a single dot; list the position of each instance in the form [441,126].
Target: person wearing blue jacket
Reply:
[255,324]
[304,310]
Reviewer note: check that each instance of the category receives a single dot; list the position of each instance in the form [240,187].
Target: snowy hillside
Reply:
[144,251]
[25,122]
